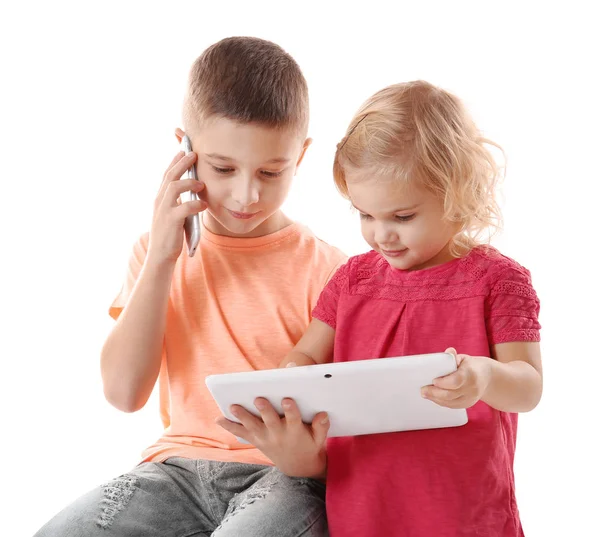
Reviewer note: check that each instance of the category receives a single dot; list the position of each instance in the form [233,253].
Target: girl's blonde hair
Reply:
[416,131]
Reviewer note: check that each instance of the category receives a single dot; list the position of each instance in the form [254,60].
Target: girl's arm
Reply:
[314,347]
[516,379]
[510,381]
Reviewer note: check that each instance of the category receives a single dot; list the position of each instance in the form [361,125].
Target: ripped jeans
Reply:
[185,498]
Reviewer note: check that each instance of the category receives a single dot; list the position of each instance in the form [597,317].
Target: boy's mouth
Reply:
[242,216]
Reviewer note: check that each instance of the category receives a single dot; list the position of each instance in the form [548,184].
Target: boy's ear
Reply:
[179,134]
[307,142]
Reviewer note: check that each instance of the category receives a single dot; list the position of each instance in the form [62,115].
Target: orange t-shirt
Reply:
[239,304]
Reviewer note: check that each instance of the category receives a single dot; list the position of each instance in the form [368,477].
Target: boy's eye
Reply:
[222,170]
[271,174]
[405,217]
[364,216]
[265,173]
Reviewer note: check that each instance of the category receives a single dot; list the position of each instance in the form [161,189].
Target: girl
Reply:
[416,168]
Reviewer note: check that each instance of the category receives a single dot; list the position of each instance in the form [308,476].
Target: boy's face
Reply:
[248,171]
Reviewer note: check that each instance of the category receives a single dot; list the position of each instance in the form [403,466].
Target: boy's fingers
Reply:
[234,428]
[166,177]
[175,160]
[253,424]
[181,163]
[269,416]
[291,411]
[177,188]
[189,208]
[172,198]
[320,427]
[181,166]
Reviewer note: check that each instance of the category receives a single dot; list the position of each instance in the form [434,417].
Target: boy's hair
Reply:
[416,131]
[248,80]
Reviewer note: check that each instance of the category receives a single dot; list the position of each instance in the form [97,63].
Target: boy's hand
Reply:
[166,233]
[464,387]
[297,449]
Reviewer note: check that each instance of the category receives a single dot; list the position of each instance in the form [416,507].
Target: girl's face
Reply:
[402,221]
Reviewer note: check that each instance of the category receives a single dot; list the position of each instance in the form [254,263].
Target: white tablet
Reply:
[361,397]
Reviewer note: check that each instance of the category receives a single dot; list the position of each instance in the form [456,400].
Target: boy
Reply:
[240,303]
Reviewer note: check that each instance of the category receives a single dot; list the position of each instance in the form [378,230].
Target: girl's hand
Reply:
[464,387]
[297,449]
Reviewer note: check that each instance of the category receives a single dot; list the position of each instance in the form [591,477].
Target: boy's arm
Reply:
[131,356]
[296,448]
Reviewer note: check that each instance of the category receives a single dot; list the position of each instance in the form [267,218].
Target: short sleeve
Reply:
[327,305]
[339,264]
[136,262]
[512,308]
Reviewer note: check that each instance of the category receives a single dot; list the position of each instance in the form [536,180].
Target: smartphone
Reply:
[192,223]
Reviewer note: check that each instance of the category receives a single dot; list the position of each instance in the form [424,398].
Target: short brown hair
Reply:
[249,80]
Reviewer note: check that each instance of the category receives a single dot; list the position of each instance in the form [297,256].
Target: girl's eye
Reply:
[222,170]
[405,217]
[271,174]
[365,216]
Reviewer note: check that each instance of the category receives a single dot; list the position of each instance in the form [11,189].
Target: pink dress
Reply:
[455,482]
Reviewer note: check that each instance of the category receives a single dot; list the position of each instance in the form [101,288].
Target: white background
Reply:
[90,96]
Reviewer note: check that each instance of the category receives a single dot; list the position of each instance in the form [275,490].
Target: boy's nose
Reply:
[245,192]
